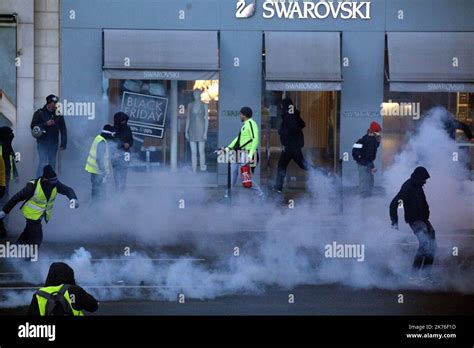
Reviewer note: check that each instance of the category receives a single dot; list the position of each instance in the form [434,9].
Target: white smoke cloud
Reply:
[278,246]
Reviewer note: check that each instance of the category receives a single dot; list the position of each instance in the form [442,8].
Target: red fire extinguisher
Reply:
[246,176]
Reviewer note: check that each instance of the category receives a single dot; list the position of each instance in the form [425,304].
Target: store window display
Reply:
[197,124]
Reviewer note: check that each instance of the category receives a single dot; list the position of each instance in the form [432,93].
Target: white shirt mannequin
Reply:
[197,124]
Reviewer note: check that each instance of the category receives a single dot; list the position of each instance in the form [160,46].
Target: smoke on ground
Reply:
[226,250]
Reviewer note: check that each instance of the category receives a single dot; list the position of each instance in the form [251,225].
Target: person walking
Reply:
[364,153]
[417,215]
[292,140]
[245,147]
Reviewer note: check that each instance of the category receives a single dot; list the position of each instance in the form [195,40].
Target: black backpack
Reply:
[56,304]
[358,150]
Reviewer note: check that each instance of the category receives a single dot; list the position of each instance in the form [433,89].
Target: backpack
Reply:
[358,150]
[56,304]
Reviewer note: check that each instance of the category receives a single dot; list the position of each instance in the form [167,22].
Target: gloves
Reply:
[2,191]
[73,204]
[2,215]
[394,225]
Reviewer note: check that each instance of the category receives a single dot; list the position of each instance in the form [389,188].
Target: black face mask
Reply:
[50,183]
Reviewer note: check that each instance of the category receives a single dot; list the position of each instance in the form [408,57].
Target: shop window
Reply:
[154,150]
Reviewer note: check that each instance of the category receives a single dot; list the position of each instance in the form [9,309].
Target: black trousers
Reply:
[32,234]
[286,156]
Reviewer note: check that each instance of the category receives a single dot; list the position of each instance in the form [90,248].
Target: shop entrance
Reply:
[319,110]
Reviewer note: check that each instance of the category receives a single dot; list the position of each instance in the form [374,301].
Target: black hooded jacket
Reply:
[369,153]
[8,154]
[61,274]
[414,200]
[291,130]
[123,133]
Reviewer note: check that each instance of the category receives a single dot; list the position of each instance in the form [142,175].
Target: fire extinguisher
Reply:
[246,177]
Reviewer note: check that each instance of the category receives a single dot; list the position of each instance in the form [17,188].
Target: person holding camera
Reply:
[48,127]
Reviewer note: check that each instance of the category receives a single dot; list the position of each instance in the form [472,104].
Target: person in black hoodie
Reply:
[121,158]
[60,275]
[417,215]
[9,160]
[292,139]
[52,125]
[37,197]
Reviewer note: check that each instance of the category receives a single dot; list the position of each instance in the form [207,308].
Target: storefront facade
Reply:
[332,59]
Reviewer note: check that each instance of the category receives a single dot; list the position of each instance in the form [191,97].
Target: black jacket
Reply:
[61,274]
[123,133]
[370,146]
[29,190]
[40,117]
[6,139]
[414,200]
[291,130]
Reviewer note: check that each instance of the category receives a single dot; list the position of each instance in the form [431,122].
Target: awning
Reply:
[303,61]
[161,54]
[431,62]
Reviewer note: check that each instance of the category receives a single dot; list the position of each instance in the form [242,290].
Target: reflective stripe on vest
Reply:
[42,301]
[91,165]
[38,205]
[11,162]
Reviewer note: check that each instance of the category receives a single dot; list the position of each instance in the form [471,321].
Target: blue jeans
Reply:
[47,153]
[366,180]
[424,257]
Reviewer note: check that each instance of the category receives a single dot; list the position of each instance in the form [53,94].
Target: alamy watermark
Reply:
[404,109]
[345,251]
[234,156]
[19,251]
[68,108]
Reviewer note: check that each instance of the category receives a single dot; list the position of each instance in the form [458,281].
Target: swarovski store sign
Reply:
[297,9]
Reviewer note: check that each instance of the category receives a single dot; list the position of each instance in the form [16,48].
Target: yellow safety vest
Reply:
[11,159]
[91,165]
[53,290]
[38,205]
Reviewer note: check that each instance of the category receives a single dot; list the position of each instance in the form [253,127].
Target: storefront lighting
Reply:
[209,88]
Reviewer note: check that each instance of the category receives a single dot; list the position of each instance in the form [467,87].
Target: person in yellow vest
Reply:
[99,162]
[38,198]
[60,295]
[3,231]
[8,161]
[3,178]
[245,145]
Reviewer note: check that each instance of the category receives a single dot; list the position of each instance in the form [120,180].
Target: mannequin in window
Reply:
[197,123]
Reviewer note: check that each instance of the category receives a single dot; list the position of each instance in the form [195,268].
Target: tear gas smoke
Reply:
[277,246]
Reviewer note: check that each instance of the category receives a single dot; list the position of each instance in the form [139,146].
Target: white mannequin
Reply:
[197,124]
